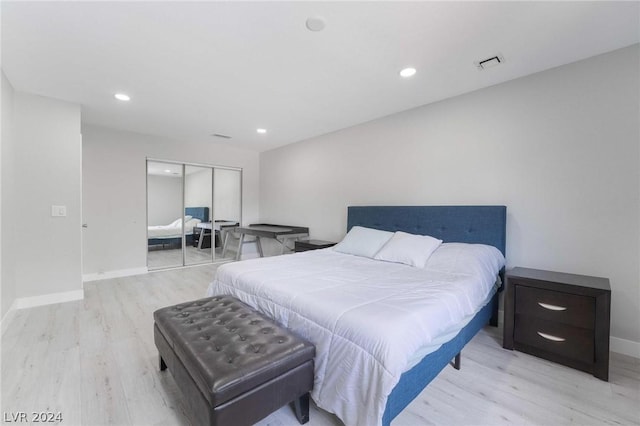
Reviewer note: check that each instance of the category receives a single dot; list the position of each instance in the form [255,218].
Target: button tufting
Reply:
[193,328]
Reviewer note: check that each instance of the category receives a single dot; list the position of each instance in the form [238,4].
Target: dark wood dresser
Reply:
[560,317]
[312,245]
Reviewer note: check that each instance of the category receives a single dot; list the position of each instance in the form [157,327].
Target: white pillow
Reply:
[409,249]
[361,241]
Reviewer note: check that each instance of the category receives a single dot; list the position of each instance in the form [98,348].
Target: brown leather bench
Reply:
[234,365]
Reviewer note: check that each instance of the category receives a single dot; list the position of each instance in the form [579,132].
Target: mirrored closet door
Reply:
[164,214]
[190,210]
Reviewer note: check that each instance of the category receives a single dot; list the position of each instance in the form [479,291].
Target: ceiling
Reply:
[197,68]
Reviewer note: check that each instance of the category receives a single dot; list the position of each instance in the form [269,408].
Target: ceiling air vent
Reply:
[491,62]
[219,135]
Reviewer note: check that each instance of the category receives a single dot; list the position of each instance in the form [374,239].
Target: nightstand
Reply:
[560,317]
[312,245]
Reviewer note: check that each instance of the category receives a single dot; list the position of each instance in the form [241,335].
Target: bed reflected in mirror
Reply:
[191,211]
[164,215]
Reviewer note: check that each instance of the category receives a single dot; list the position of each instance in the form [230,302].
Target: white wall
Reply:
[227,185]
[43,169]
[165,199]
[114,204]
[559,148]
[7,191]
[198,188]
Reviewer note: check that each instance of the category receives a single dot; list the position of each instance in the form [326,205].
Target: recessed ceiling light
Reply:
[407,72]
[315,23]
[261,131]
[122,97]
[167,171]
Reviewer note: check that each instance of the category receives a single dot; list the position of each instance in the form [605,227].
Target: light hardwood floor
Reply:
[95,362]
[159,258]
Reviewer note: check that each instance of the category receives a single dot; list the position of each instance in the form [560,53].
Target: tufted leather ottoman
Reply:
[234,365]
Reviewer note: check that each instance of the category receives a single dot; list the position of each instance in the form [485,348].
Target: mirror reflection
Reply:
[227,210]
[196,233]
[198,205]
[164,215]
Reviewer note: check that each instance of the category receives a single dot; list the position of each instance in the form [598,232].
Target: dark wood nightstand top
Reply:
[313,245]
[560,278]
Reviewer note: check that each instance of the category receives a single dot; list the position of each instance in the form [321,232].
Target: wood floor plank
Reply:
[95,360]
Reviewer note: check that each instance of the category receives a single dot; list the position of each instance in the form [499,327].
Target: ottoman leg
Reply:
[301,408]
[163,366]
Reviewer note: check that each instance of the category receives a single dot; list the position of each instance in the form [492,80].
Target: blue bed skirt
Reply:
[414,381]
[170,242]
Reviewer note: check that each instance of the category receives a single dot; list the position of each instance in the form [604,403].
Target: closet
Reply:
[190,210]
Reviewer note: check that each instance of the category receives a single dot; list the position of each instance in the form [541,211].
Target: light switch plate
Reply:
[58,211]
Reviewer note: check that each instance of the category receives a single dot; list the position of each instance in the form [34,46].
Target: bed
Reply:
[170,235]
[364,375]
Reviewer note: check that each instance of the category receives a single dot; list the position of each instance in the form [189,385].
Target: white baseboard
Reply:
[114,274]
[625,347]
[48,299]
[33,301]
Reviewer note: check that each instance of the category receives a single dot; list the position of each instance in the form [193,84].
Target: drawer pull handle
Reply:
[552,307]
[550,337]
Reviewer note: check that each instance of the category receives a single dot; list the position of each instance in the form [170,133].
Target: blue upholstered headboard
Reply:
[201,213]
[464,224]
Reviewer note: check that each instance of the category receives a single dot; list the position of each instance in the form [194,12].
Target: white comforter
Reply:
[366,317]
[172,230]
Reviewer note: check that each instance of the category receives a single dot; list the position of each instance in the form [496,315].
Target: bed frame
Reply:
[465,224]
[201,213]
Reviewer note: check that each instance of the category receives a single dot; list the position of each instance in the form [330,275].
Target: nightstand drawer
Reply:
[565,308]
[560,339]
